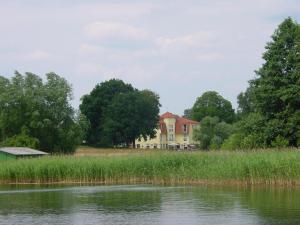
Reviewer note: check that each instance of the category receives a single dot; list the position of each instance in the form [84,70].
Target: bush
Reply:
[21,140]
[279,142]
[216,142]
[253,141]
[233,142]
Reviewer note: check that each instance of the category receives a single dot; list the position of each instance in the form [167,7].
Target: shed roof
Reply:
[21,151]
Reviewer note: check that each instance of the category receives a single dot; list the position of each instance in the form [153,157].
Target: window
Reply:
[185,128]
[185,137]
[171,137]
[171,128]
[138,146]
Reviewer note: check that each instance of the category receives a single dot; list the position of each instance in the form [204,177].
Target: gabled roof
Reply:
[21,151]
[180,122]
[168,115]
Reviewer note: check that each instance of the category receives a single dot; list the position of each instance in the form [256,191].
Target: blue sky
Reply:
[178,48]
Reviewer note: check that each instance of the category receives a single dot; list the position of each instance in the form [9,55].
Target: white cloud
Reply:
[88,49]
[109,29]
[116,10]
[201,39]
[37,55]
[211,56]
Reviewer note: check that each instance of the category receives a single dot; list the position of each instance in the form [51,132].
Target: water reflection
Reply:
[138,204]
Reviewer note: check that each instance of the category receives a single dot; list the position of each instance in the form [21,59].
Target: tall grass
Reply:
[270,167]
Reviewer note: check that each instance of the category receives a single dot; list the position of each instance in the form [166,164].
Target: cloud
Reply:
[37,55]
[89,49]
[210,56]
[178,48]
[116,10]
[201,39]
[108,29]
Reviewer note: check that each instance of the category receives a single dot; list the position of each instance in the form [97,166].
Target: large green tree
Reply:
[214,105]
[93,106]
[270,108]
[131,116]
[212,133]
[276,89]
[42,109]
[119,114]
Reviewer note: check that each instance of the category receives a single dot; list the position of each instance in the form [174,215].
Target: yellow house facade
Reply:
[173,132]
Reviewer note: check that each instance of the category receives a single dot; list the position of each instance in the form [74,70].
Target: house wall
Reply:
[161,140]
[6,156]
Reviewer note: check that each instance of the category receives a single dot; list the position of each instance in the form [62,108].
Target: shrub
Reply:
[279,142]
[253,141]
[21,140]
[233,142]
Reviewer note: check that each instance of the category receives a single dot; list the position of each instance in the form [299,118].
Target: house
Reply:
[19,152]
[173,132]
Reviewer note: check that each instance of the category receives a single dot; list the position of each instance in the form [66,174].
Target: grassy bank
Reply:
[268,167]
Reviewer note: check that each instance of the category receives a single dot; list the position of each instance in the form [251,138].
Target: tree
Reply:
[187,113]
[276,89]
[212,133]
[245,103]
[212,104]
[43,109]
[93,106]
[121,116]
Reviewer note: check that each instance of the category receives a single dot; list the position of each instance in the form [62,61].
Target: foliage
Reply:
[93,106]
[212,133]
[268,167]
[276,90]
[21,140]
[43,108]
[119,114]
[139,112]
[233,142]
[280,142]
[269,110]
[214,105]
[245,103]
[187,113]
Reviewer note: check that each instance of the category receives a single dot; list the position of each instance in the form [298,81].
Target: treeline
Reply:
[268,114]
[39,115]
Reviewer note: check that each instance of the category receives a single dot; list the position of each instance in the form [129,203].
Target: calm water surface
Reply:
[142,204]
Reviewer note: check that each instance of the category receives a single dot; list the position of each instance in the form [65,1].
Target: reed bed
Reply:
[258,167]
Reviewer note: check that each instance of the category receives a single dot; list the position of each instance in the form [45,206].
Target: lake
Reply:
[146,204]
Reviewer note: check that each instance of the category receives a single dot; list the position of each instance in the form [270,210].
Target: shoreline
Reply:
[267,183]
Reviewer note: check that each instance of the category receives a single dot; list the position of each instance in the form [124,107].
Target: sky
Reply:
[178,49]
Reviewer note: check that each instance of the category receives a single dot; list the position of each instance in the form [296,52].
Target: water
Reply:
[142,204]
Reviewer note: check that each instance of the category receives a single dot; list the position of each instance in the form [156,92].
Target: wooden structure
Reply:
[19,152]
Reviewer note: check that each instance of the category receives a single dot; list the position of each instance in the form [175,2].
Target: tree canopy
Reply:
[119,114]
[214,105]
[41,109]
[270,107]
[212,133]
[276,88]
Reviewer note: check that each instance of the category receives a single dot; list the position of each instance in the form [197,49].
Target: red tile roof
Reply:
[168,115]
[180,122]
